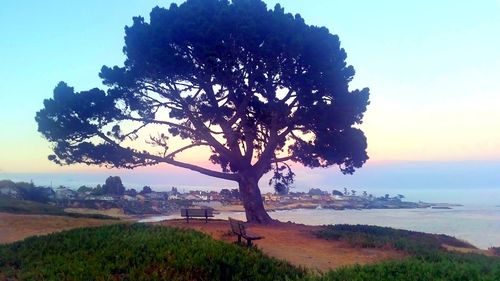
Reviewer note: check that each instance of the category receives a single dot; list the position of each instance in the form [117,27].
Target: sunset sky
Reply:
[433,68]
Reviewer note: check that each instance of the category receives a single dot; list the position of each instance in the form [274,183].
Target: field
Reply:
[137,252]
[15,227]
[175,250]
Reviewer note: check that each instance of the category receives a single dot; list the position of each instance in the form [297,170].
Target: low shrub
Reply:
[137,252]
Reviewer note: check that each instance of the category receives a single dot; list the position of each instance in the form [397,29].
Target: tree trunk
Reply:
[252,200]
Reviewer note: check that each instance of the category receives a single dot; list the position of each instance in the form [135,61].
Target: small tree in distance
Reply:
[113,185]
[146,190]
[257,88]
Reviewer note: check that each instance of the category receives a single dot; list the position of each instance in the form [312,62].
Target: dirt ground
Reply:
[296,244]
[14,227]
[292,242]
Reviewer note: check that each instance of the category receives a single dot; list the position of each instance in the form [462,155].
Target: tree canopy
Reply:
[113,185]
[258,88]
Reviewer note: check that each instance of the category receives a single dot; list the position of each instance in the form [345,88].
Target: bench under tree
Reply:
[238,228]
[197,213]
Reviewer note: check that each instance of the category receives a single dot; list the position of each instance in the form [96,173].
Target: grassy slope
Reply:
[16,206]
[427,259]
[137,252]
[144,252]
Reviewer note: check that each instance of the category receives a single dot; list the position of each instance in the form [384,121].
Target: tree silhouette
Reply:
[146,190]
[113,185]
[257,88]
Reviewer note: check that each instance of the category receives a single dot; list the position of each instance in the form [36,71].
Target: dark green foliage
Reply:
[444,268]
[11,205]
[84,188]
[317,191]
[16,206]
[367,236]
[256,86]
[145,190]
[27,191]
[114,186]
[427,260]
[137,252]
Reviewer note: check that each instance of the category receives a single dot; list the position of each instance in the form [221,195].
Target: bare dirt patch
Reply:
[14,227]
[295,243]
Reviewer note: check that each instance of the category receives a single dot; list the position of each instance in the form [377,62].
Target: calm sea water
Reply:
[477,225]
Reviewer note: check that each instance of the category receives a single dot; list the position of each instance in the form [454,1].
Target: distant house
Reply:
[214,196]
[270,197]
[173,196]
[192,197]
[155,196]
[105,198]
[129,198]
[65,194]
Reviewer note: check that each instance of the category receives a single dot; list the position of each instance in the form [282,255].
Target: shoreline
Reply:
[346,205]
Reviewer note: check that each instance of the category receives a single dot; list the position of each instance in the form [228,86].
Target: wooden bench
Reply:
[239,228]
[197,213]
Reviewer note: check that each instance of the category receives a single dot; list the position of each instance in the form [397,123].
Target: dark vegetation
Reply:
[427,259]
[112,186]
[17,206]
[28,191]
[137,252]
[256,87]
[495,250]
[411,242]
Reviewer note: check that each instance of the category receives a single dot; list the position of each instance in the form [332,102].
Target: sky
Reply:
[433,69]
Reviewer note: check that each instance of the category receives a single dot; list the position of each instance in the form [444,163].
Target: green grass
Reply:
[137,252]
[427,259]
[146,252]
[16,206]
[411,242]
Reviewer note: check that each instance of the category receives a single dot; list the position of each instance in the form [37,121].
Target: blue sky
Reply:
[433,68]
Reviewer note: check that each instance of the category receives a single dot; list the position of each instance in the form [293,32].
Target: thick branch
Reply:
[159,159]
[283,159]
[160,122]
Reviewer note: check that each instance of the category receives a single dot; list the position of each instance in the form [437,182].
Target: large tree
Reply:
[258,88]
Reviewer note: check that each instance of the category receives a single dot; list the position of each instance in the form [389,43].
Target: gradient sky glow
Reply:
[433,68]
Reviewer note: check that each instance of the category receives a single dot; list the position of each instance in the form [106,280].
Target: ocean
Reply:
[479,225]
